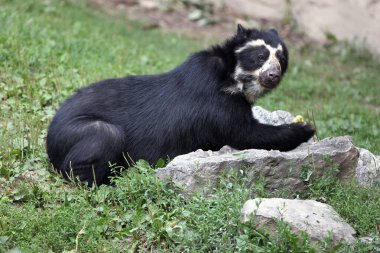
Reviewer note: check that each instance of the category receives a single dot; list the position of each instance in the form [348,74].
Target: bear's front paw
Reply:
[303,131]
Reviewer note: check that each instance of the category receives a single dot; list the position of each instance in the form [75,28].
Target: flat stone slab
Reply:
[200,171]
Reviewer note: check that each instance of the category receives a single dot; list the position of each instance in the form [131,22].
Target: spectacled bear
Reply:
[204,103]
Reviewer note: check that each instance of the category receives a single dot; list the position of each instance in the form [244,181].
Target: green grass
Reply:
[50,48]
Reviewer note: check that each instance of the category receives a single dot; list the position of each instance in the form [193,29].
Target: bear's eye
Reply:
[280,57]
[252,58]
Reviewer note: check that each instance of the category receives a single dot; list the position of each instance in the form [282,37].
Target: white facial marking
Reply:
[272,59]
[252,43]
[253,90]
[257,43]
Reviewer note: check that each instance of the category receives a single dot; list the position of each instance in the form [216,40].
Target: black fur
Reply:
[159,116]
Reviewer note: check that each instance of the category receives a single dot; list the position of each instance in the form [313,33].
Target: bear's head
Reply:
[261,61]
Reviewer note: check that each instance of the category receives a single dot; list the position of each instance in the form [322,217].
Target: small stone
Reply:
[368,169]
[195,15]
[272,118]
[147,4]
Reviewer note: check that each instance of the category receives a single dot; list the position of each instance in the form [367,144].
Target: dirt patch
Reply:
[210,24]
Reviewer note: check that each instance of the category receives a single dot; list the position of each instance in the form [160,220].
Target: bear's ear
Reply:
[241,30]
[272,30]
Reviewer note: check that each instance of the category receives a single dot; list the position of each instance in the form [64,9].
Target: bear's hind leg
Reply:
[88,160]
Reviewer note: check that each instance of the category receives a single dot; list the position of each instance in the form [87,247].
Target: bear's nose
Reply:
[274,75]
[270,78]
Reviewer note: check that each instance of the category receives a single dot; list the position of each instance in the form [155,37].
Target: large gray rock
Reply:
[368,168]
[317,219]
[352,20]
[200,171]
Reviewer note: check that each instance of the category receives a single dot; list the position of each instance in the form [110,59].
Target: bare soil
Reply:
[175,19]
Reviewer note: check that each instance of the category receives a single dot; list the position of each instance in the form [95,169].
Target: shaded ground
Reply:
[210,25]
